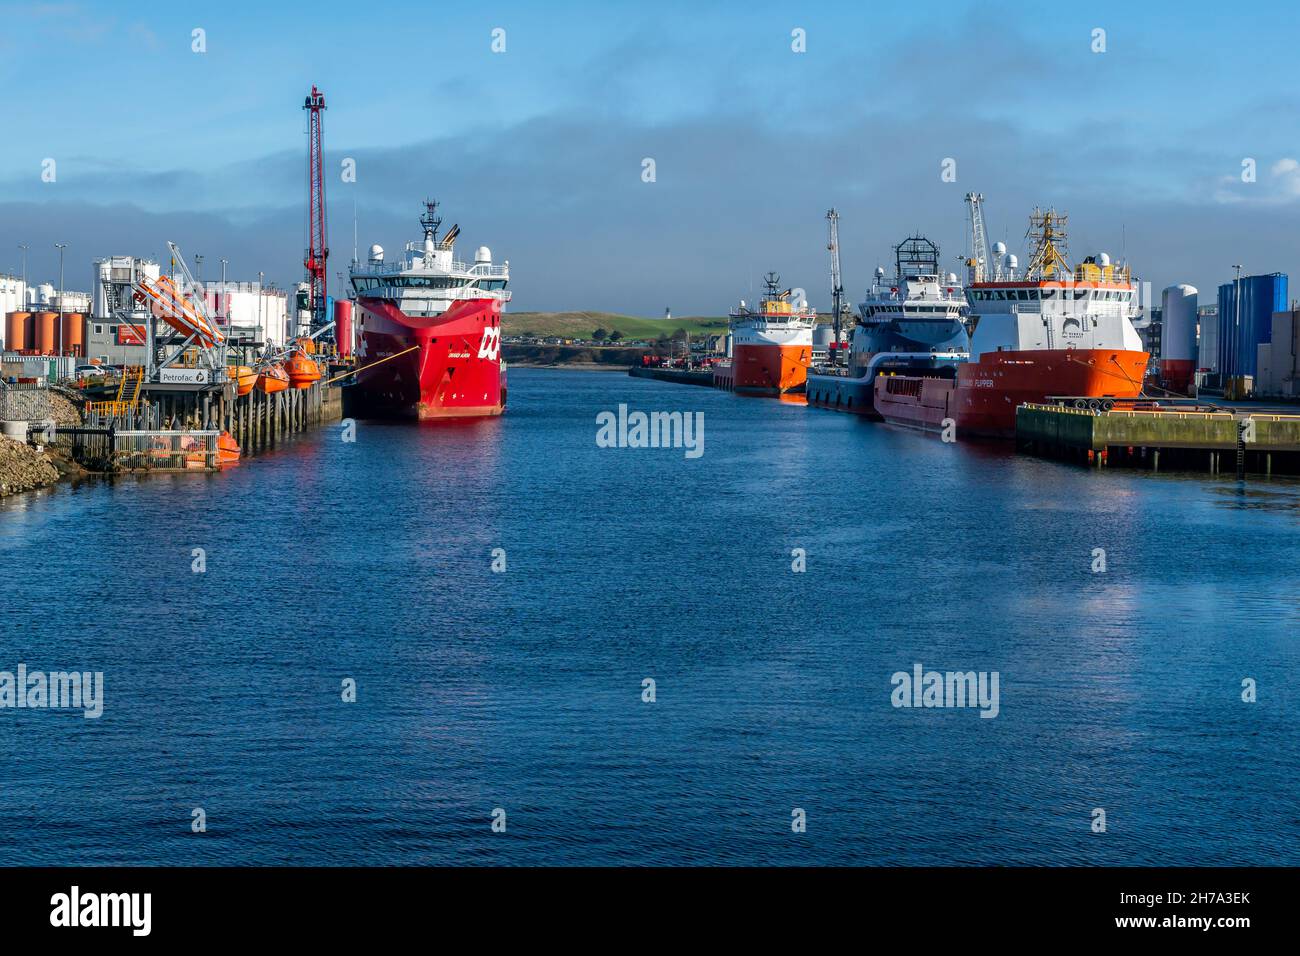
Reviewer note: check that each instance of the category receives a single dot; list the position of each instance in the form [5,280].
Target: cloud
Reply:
[743,182]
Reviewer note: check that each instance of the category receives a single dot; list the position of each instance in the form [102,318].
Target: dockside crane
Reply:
[837,287]
[317,256]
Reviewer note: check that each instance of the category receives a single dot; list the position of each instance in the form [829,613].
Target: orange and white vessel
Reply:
[771,346]
[1051,331]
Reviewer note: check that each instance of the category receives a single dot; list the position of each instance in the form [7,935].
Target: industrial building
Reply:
[1277,374]
[13,294]
[107,326]
[1207,349]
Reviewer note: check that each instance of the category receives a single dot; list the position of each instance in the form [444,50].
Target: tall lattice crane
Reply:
[978,263]
[318,252]
[837,287]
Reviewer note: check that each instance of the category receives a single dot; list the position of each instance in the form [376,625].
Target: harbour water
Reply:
[476,690]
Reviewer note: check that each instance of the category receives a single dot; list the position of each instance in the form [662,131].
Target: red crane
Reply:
[317,251]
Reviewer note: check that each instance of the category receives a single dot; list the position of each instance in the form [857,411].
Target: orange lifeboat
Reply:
[273,379]
[228,449]
[303,372]
[243,377]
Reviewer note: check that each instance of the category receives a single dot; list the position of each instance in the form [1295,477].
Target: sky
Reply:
[1169,137]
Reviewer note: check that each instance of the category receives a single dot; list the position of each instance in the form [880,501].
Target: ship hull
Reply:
[430,368]
[983,399]
[770,369]
[841,392]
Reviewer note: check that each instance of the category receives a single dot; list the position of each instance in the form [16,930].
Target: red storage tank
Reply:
[46,336]
[74,342]
[343,326]
[16,330]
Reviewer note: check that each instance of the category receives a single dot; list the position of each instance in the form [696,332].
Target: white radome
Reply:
[376,253]
[482,254]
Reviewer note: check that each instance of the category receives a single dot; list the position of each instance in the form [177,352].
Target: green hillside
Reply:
[582,324]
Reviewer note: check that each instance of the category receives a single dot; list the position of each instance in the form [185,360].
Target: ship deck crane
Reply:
[978,263]
[837,287]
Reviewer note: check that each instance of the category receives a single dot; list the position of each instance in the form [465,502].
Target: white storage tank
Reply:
[1178,337]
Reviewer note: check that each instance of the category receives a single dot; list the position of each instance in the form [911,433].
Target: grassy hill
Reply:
[582,324]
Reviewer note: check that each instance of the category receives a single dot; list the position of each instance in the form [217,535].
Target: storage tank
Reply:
[74,340]
[16,330]
[1246,320]
[343,326]
[1178,337]
[46,332]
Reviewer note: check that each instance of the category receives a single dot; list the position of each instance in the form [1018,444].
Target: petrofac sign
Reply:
[183,376]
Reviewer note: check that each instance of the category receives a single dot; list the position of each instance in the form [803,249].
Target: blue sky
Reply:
[537,151]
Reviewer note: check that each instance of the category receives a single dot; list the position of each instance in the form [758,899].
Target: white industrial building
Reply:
[116,331]
[13,294]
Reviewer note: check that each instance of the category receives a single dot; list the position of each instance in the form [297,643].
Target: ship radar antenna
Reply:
[431,220]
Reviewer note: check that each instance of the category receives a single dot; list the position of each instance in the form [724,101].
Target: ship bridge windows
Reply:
[426,282]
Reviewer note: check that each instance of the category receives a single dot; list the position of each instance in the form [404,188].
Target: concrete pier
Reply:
[679,375]
[1240,440]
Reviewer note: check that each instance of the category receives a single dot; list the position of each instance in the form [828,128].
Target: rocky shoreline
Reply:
[23,468]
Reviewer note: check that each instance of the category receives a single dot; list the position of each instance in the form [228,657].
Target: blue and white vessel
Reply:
[915,324]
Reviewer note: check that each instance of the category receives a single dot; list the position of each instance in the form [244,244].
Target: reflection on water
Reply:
[373,560]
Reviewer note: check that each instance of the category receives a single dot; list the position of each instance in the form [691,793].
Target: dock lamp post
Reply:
[60,246]
[24,247]
[225,293]
[1236,314]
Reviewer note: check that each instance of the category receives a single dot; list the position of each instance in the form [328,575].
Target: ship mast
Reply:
[1047,232]
[430,220]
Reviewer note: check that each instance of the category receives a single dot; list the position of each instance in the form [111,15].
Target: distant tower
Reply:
[668,313]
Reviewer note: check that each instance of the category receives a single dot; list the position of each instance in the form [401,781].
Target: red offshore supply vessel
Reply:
[429,330]
[771,347]
[1055,331]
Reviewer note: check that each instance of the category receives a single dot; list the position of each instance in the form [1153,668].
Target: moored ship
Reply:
[771,345]
[430,330]
[1053,331]
[914,324]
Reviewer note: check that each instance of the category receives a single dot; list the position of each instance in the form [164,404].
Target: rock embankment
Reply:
[64,412]
[23,468]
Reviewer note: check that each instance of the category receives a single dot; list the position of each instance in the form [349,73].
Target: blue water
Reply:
[522,690]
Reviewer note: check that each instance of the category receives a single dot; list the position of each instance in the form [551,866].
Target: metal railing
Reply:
[165,450]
